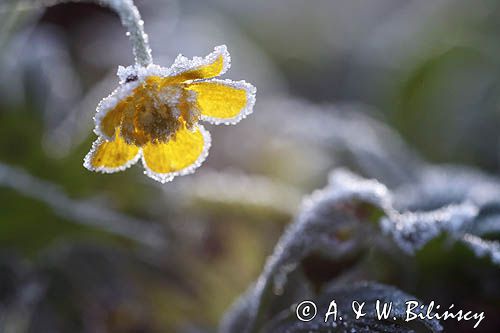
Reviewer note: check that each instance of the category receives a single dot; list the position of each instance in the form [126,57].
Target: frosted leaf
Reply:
[346,184]
[438,186]
[488,222]
[343,296]
[483,247]
[460,199]
[322,218]
[412,230]
[350,200]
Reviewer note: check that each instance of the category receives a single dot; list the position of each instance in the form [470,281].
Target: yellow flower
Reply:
[154,114]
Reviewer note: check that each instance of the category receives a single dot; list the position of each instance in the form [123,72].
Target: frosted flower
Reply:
[154,115]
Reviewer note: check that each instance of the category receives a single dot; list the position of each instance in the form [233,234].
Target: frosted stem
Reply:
[131,20]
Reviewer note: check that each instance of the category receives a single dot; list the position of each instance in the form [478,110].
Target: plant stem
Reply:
[131,20]
[129,17]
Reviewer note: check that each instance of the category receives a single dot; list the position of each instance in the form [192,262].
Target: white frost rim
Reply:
[87,161]
[167,177]
[183,64]
[245,111]
[180,65]
[109,103]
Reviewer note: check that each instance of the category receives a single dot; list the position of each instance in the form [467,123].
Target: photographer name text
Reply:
[307,311]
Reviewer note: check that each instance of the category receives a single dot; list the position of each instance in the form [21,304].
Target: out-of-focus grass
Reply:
[442,98]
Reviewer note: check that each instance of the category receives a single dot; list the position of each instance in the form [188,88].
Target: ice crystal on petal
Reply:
[183,64]
[167,177]
[154,104]
[245,111]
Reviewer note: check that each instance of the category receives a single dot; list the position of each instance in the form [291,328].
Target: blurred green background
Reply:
[85,252]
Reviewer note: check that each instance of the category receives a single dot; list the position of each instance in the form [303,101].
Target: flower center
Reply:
[157,110]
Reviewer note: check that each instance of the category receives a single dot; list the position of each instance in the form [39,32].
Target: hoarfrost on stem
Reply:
[130,19]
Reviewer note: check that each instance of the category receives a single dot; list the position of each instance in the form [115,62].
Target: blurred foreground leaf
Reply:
[287,321]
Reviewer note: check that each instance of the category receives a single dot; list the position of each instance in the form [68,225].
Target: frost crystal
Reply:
[483,247]
[340,204]
[412,230]
[131,20]
[343,295]
[155,112]
[164,178]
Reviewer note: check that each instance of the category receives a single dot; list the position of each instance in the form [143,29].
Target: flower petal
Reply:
[111,109]
[223,101]
[179,156]
[214,64]
[111,156]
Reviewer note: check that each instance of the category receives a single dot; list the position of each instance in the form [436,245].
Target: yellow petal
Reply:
[111,120]
[110,111]
[223,101]
[189,108]
[179,156]
[214,64]
[111,156]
